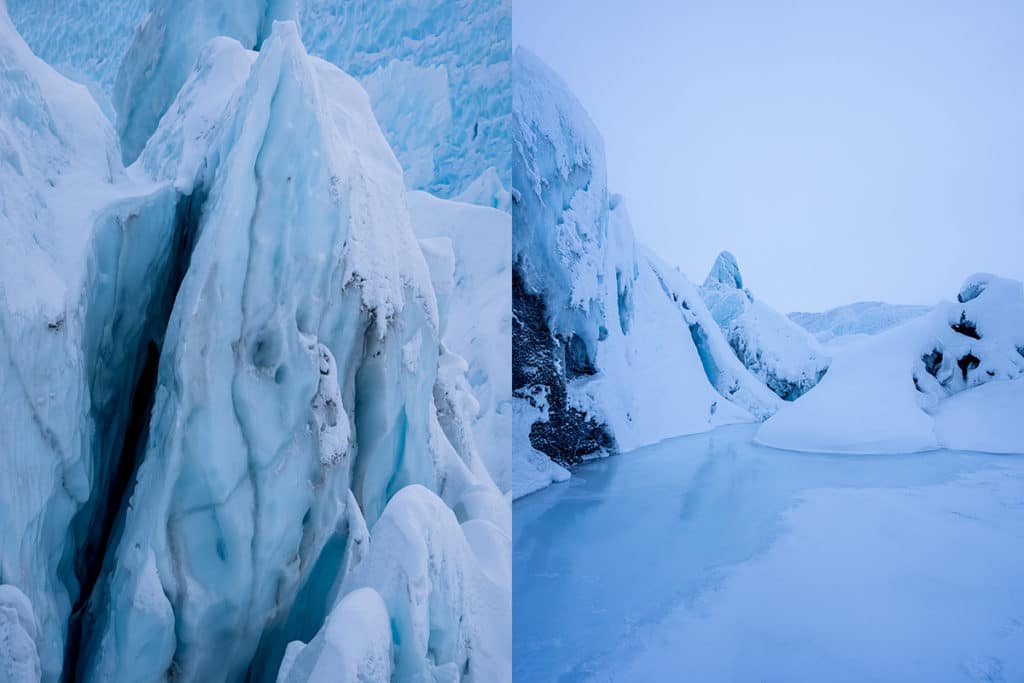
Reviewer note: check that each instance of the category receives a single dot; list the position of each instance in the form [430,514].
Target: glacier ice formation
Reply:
[226,385]
[612,349]
[863,317]
[774,348]
[437,71]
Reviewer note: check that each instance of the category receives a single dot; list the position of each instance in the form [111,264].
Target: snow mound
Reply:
[891,392]
[449,604]
[353,646]
[863,317]
[774,348]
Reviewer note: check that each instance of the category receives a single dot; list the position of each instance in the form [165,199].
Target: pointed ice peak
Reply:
[725,271]
[164,51]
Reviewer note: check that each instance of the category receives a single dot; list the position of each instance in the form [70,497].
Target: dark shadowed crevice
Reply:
[966,327]
[122,427]
[967,363]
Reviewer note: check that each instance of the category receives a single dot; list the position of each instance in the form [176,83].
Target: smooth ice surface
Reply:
[710,558]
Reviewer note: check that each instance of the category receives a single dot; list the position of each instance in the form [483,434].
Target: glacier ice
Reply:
[226,360]
[447,67]
[478,320]
[599,320]
[774,348]
[19,634]
[437,70]
[863,317]
[164,50]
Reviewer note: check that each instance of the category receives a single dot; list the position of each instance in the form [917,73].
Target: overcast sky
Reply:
[843,151]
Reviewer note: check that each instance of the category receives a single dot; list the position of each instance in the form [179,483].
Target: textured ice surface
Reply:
[429,65]
[437,70]
[863,317]
[19,635]
[478,323]
[775,349]
[90,262]
[163,52]
[354,645]
[657,565]
[889,390]
[187,504]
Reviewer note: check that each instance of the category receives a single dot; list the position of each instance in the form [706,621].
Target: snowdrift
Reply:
[951,378]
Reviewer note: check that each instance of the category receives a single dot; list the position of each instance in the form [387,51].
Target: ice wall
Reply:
[611,351]
[437,70]
[164,51]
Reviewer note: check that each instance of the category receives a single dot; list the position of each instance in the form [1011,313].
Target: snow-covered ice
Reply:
[711,558]
[863,317]
[775,349]
[889,392]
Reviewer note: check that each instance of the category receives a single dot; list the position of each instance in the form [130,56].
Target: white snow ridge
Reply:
[247,433]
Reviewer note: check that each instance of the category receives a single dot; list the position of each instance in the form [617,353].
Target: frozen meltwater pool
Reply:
[708,558]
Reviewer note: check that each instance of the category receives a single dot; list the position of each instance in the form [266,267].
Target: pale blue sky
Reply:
[842,150]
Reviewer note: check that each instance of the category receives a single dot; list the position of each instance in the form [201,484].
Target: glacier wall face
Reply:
[222,364]
[611,349]
[437,70]
[164,51]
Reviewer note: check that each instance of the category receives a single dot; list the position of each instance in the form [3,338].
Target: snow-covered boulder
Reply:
[775,349]
[923,384]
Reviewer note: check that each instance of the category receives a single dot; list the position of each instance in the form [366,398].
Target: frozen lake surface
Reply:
[708,558]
